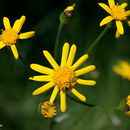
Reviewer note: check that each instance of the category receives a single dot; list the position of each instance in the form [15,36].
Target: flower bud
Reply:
[67,14]
[48,110]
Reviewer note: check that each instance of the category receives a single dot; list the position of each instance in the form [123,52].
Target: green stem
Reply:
[95,106]
[57,40]
[24,63]
[84,103]
[98,38]
[108,107]
[51,124]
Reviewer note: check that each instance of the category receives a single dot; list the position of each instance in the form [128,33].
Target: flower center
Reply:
[64,77]
[118,13]
[48,109]
[9,36]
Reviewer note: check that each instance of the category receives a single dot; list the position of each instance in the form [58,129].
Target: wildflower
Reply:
[63,77]
[122,69]
[10,35]
[48,109]
[67,14]
[117,12]
[128,105]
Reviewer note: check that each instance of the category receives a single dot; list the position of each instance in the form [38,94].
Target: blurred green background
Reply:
[19,109]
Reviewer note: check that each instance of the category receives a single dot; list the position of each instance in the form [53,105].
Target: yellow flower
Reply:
[122,69]
[48,109]
[63,77]
[128,105]
[10,35]
[117,13]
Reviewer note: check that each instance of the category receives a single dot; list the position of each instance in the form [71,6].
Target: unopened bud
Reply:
[67,14]
[47,109]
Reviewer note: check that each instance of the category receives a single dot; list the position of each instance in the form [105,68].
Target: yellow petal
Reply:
[2,45]
[106,20]
[86,82]
[123,5]
[41,78]
[6,23]
[117,34]
[65,51]
[26,35]
[123,64]
[80,61]
[127,13]
[15,52]
[127,113]
[41,69]
[85,70]
[120,27]
[111,3]
[43,88]
[71,55]
[129,23]
[63,101]
[70,8]
[54,94]
[105,7]
[19,23]
[50,59]
[78,95]
[117,69]
[16,24]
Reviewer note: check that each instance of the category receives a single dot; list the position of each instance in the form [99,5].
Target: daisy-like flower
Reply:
[63,77]
[48,109]
[10,35]
[128,105]
[117,12]
[122,69]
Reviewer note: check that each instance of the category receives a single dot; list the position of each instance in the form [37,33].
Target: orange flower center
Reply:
[118,13]
[9,36]
[64,78]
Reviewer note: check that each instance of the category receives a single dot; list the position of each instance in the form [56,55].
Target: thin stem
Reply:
[51,124]
[57,40]
[84,103]
[98,38]
[95,106]
[24,63]
[108,107]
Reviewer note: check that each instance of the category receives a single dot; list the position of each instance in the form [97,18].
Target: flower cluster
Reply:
[65,76]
